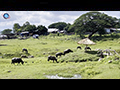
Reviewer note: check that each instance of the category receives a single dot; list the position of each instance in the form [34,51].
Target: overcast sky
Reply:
[43,17]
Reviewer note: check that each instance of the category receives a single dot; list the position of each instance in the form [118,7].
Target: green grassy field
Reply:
[79,62]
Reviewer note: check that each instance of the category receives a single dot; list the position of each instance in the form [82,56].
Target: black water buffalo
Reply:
[67,51]
[59,54]
[79,47]
[24,56]
[52,58]
[24,49]
[17,60]
[87,48]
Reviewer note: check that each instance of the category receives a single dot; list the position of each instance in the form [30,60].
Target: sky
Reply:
[44,18]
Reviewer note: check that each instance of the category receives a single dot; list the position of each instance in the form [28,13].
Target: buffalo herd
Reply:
[54,58]
[64,53]
[59,54]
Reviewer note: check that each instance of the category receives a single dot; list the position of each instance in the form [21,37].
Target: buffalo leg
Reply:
[56,61]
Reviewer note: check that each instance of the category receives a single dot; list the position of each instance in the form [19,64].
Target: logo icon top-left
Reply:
[6,16]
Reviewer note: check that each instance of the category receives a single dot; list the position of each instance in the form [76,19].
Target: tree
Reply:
[93,22]
[30,28]
[25,25]
[41,30]
[16,26]
[58,25]
[66,28]
[6,31]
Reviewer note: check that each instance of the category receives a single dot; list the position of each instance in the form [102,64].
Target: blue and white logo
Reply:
[6,15]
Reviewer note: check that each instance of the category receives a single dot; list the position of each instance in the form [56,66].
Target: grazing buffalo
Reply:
[87,48]
[24,49]
[24,56]
[17,60]
[67,51]
[52,58]
[59,54]
[79,47]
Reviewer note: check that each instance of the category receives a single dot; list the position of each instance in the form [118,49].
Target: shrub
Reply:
[92,72]
[16,54]
[78,57]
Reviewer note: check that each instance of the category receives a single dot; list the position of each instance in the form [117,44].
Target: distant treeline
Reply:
[91,22]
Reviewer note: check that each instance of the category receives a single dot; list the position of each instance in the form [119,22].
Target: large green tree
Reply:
[93,22]
[6,31]
[41,30]
[58,25]
[16,26]
[30,28]
[24,26]
[67,27]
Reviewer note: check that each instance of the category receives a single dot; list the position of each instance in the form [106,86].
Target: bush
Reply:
[92,72]
[78,57]
[115,59]
[16,54]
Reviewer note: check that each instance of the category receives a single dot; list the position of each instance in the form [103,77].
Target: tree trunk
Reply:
[90,35]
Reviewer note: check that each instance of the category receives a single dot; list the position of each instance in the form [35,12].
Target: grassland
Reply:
[79,62]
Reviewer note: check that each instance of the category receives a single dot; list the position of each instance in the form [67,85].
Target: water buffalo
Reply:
[79,47]
[24,49]
[24,56]
[87,48]
[52,58]
[17,60]
[59,54]
[67,51]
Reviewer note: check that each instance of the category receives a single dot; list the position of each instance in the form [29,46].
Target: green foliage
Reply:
[41,29]
[6,31]
[79,56]
[66,28]
[115,59]
[16,26]
[58,25]
[30,28]
[93,22]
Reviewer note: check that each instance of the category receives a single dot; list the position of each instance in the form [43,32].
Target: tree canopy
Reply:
[93,22]
[6,31]
[41,30]
[58,25]
[16,26]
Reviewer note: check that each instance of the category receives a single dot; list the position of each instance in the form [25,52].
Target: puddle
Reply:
[76,76]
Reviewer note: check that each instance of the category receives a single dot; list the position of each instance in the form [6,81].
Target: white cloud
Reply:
[67,18]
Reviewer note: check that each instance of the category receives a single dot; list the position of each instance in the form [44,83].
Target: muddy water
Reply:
[76,76]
